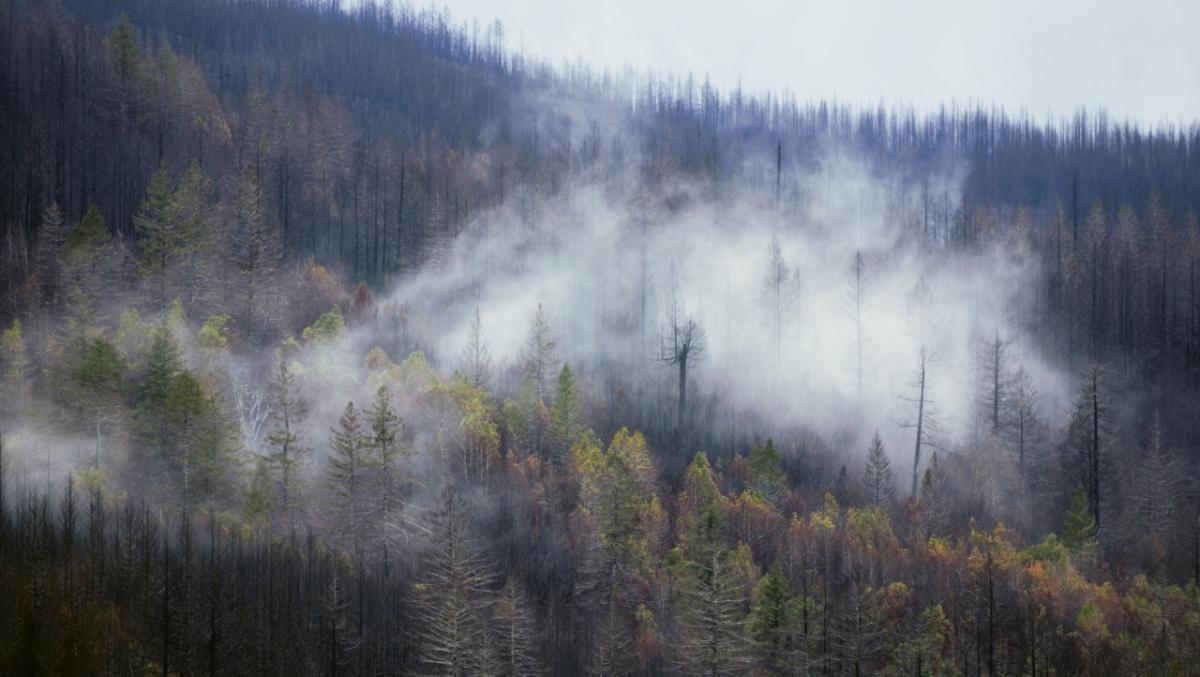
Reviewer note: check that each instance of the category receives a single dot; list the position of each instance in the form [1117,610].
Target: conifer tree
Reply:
[516,633]
[286,447]
[714,642]
[347,476]
[1079,529]
[388,452]
[453,593]
[566,414]
[877,476]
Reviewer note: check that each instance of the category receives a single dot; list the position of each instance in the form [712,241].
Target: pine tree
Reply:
[156,224]
[286,441]
[162,365]
[1156,486]
[48,256]
[713,641]
[934,500]
[772,621]
[540,354]
[476,357]
[780,295]
[566,415]
[612,653]
[516,633]
[1079,529]
[453,593]
[1089,436]
[877,476]
[124,53]
[347,476]
[256,251]
[388,453]
[14,367]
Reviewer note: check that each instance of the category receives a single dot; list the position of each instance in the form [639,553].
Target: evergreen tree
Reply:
[1079,529]
[156,223]
[566,414]
[877,476]
[286,447]
[124,53]
[1156,487]
[453,594]
[347,476]
[713,641]
[772,622]
[934,500]
[476,358]
[48,255]
[163,365]
[540,354]
[516,633]
[388,453]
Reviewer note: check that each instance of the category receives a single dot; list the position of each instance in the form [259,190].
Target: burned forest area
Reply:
[352,339]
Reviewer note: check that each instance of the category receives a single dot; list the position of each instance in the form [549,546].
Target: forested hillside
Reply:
[349,339]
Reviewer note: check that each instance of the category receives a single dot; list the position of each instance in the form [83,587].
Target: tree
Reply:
[766,469]
[714,642]
[389,451]
[256,252]
[97,386]
[1156,486]
[156,223]
[516,632]
[566,414]
[934,500]
[780,294]
[1079,529]
[924,422]
[1088,437]
[163,365]
[877,476]
[681,340]
[540,354]
[453,593]
[285,442]
[856,302]
[476,358]
[992,385]
[124,53]
[15,365]
[772,622]
[48,255]
[347,476]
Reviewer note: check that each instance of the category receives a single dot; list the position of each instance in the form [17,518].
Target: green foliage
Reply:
[766,468]
[132,333]
[566,415]
[213,333]
[773,617]
[347,474]
[90,233]
[124,53]
[327,327]
[155,222]
[702,515]
[1079,529]
[13,360]
[1049,550]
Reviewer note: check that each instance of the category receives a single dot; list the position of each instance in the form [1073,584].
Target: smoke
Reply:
[600,261]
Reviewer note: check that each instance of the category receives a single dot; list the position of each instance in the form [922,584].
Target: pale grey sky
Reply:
[1137,58]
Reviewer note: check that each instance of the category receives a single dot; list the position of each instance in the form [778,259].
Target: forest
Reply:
[347,338]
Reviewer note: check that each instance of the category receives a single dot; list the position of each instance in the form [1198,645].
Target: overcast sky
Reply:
[1135,58]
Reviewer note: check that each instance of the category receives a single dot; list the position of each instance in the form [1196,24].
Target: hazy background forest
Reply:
[352,339]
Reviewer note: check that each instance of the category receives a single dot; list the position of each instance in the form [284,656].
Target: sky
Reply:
[1137,60]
